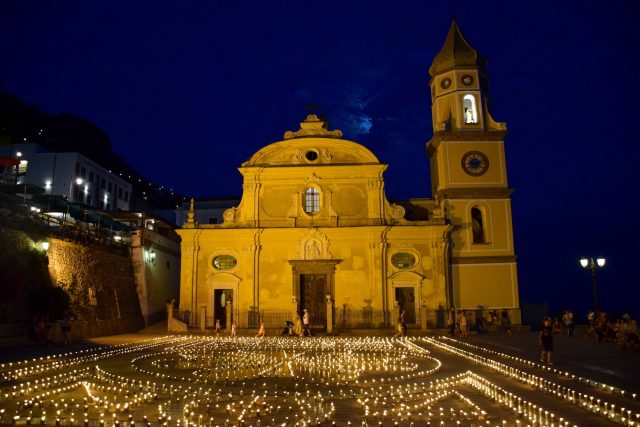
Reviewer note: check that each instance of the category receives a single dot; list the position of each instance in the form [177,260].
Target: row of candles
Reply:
[325,358]
[586,401]
[385,352]
[532,364]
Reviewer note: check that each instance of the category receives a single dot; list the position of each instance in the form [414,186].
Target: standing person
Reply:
[462,322]
[567,318]
[65,326]
[217,327]
[262,332]
[506,322]
[546,341]
[591,320]
[234,329]
[306,325]
[401,326]
[297,324]
[451,322]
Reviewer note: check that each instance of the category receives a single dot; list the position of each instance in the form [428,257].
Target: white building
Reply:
[71,175]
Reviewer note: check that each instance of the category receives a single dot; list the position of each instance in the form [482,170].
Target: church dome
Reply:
[312,144]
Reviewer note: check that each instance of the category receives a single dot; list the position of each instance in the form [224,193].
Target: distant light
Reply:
[584,262]
[600,262]
[117,238]
[19,154]
[47,183]
[79,181]
[44,246]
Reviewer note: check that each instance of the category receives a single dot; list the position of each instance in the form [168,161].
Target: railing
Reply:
[346,318]
[349,318]
[17,216]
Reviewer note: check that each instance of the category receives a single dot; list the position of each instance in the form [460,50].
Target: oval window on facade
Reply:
[224,262]
[403,260]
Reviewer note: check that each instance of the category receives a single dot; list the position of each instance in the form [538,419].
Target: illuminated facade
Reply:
[314,228]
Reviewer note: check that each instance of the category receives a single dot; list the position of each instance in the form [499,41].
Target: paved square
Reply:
[203,380]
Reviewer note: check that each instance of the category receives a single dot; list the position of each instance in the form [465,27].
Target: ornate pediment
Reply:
[313,126]
[312,179]
[314,245]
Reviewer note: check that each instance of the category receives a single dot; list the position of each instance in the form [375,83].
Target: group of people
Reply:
[232,333]
[601,328]
[458,322]
[292,328]
[41,331]
[622,331]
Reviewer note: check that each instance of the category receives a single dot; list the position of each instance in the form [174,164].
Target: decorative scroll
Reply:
[313,127]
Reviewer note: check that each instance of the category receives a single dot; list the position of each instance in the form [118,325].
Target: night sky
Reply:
[187,91]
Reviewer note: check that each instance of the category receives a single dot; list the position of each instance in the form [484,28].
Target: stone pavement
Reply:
[485,355]
[604,362]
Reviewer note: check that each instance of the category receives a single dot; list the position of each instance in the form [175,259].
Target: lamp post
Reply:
[594,265]
[78,181]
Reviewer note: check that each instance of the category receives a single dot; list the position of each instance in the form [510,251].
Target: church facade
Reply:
[314,229]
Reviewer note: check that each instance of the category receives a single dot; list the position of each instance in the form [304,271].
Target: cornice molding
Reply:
[484,260]
[475,193]
[464,136]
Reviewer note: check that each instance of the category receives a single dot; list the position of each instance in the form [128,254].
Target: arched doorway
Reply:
[312,281]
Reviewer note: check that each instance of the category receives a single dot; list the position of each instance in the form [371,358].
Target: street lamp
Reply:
[594,265]
[78,181]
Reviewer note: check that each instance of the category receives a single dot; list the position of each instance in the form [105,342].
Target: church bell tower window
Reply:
[469,109]
[312,201]
[477,225]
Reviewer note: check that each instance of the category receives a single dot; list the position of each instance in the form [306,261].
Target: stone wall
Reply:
[100,284]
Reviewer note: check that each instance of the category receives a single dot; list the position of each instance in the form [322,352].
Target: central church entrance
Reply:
[313,288]
[406,300]
[313,281]
[221,297]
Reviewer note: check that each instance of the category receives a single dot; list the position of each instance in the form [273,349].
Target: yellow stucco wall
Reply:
[351,234]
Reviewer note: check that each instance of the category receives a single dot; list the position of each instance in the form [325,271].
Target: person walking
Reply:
[567,318]
[462,324]
[506,322]
[234,329]
[65,326]
[546,341]
[217,327]
[306,325]
[262,332]
[451,321]
[401,326]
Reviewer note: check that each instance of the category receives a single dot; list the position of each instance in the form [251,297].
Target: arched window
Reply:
[312,201]
[469,109]
[477,226]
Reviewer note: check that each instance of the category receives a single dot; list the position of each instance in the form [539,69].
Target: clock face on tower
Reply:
[475,163]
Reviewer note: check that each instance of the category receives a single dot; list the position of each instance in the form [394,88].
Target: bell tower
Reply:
[469,179]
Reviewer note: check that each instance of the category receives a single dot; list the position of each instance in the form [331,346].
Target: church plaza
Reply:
[157,379]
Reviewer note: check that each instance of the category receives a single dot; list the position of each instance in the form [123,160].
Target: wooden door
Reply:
[312,297]
[407,302]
